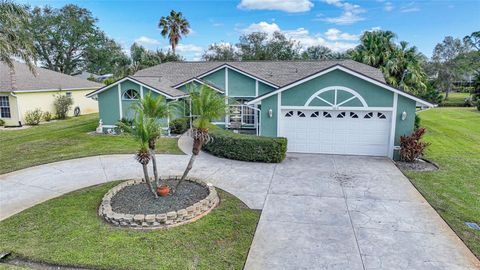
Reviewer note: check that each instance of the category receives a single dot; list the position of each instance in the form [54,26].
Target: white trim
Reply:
[241,96]
[55,90]
[336,88]
[328,108]
[227,120]
[106,87]
[109,126]
[239,71]
[354,73]
[279,111]
[201,82]
[119,87]
[141,91]
[391,142]
[218,123]
[256,88]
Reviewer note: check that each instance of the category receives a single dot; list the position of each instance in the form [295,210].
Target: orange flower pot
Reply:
[163,191]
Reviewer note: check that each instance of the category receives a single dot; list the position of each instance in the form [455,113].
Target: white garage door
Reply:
[336,132]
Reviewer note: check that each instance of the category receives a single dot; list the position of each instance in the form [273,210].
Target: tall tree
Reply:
[174,26]
[15,39]
[220,52]
[317,53]
[62,36]
[259,46]
[445,62]
[105,55]
[401,65]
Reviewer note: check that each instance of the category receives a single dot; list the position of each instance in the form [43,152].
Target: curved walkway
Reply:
[319,211]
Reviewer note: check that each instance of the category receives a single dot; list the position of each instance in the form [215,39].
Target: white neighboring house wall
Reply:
[23,101]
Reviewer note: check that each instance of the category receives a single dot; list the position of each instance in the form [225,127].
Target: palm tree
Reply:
[205,105]
[144,129]
[174,26]
[15,39]
[152,108]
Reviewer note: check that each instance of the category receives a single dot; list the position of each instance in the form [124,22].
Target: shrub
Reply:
[411,147]
[179,125]
[468,101]
[62,105]
[478,104]
[47,116]
[33,118]
[2,123]
[246,147]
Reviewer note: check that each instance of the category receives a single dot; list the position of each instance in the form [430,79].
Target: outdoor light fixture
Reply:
[270,113]
[404,115]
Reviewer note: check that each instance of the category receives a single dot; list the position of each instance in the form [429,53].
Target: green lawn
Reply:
[65,140]
[67,231]
[456,98]
[454,190]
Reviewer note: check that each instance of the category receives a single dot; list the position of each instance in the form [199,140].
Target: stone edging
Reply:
[154,221]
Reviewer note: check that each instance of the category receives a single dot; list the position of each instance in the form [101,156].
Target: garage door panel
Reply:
[336,132]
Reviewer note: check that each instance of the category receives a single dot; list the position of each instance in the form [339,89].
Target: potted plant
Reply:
[163,190]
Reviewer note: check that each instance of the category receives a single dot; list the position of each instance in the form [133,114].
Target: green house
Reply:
[331,107]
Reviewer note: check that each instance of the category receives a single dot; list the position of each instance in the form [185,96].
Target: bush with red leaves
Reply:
[411,147]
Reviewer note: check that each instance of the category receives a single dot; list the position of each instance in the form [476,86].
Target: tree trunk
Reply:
[197,145]
[147,180]
[154,165]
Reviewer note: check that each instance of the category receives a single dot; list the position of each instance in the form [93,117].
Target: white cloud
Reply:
[266,27]
[143,40]
[283,5]
[388,6]
[188,48]
[333,38]
[410,7]
[335,34]
[351,13]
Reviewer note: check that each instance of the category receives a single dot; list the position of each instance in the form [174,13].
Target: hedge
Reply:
[245,147]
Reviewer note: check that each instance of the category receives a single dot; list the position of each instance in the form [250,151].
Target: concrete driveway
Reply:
[319,211]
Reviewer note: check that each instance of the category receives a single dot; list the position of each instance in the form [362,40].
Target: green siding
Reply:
[108,106]
[264,88]
[127,111]
[404,127]
[217,78]
[240,85]
[374,95]
[269,125]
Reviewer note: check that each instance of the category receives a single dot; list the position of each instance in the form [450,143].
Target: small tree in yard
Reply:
[206,105]
[144,130]
[62,105]
[411,147]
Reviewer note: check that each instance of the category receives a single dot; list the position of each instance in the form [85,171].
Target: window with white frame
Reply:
[131,94]
[4,107]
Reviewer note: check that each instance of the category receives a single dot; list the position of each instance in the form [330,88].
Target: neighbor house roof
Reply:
[25,81]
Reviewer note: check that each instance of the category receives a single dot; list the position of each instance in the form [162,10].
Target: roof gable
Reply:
[349,71]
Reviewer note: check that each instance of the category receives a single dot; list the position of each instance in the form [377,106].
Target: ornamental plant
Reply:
[412,147]
[62,105]
[33,118]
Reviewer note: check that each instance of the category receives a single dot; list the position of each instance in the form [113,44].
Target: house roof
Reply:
[277,73]
[24,80]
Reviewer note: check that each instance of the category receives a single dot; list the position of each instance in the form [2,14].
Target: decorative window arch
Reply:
[336,102]
[131,94]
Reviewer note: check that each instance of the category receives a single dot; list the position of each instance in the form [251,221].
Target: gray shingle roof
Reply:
[279,73]
[45,80]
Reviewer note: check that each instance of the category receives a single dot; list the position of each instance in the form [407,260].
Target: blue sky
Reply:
[332,23]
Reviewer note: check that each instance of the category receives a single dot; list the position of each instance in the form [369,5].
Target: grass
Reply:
[65,140]
[456,98]
[66,230]
[454,190]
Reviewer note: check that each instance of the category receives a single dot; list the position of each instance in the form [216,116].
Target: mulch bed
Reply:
[138,199]
[419,165]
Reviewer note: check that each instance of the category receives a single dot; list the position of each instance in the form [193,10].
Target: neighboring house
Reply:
[21,91]
[333,107]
